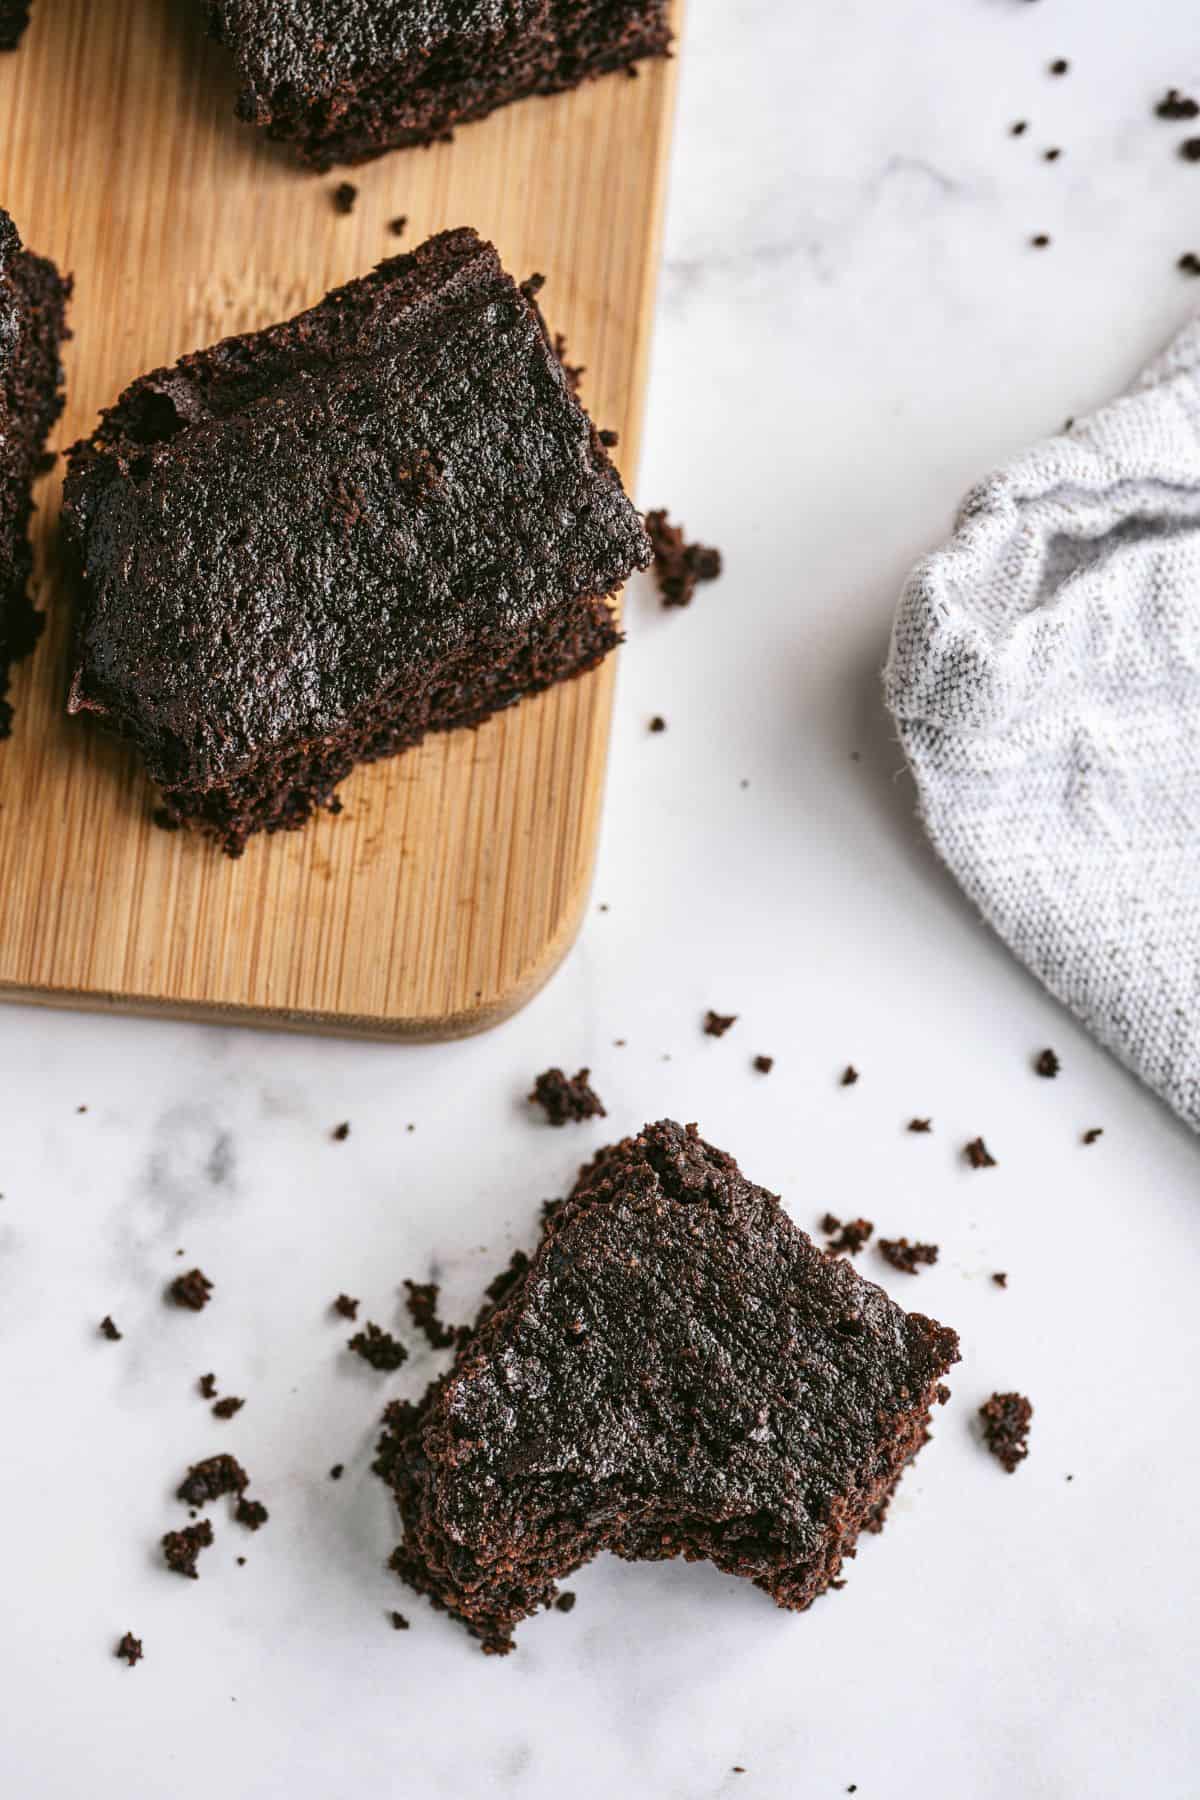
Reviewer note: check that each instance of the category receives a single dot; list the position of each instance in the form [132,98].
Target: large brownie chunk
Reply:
[33,298]
[343,80]
[305,548]
[678,1371]
[14,16]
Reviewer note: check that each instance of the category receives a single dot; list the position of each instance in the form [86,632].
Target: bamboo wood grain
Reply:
[448,890]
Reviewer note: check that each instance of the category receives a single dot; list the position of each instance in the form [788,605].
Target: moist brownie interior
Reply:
[33,300]
[678,1371]
[305,548]
[343,80]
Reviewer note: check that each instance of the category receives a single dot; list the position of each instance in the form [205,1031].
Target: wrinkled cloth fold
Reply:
[1044,678]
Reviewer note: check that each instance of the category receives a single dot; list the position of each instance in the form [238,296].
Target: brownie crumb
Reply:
[398,225]
[347,1307]
[610,439]
[764,1064]
[181,1548]
[379,1348]
[1190,149]
[109,1330]
[1047,1065]
[978,1154]
[341,1132]
[251,1513]
[1189,263]
[208,1386]
[919,1125]
[679,566]
[848,1238]
[1006,1428]
[191,1290]
[337,1471]
[1175,105]
[1040,241]
[1018,128]
[225,1409]
[1051,155]
[344,196]
[1059,66]
[849,1075]
[562,1100]
[565,1601]
[210,1479]
[717,1024]
[1093,1134]
[941,1393]
[399,1622]
[658,723]
[1000,1278]
[43,466]
[130,1648]
[421,1301]
[905,1256]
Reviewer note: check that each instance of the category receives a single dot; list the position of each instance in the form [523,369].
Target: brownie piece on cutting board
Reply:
[305,548]
[33,298]
[14,16]
[678,1371]
[343,80]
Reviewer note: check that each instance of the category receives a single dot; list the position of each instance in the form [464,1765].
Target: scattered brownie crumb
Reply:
[562,1100]
[1047,1065]
[717,1024]
[341,1132]
[240,1561]
[764,1064]
[379,1348]
[43,466]
[181,1548]
[251,1513]
[130,1648]
[849,1075]
[109,1330]
[905,1256]
[225,1409]
[421,1301]
[920,1125]
[1000,1278]
[847,1238]
[347,1307]
[1094,1133]
[565,1601]
[1059,66]
[978,1154]
[658,723]
[678,566]
[208,1386]
[337,1471]
[1006,1428]
[1190,149]
[1051,155]
[1175,105]
[191,1290]
[941,1393]
[610,439]
[1018,128]
[344,196]
[1189,263]
[398,226]
[1041,240]
[399,1622]
[210,1479]
[78,1109]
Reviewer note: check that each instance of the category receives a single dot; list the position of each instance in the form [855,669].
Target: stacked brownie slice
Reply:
[33,299]
[342,80]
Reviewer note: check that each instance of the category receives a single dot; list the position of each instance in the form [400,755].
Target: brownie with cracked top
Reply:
[306,548]
[33,299]
[344,80]
[678,1371]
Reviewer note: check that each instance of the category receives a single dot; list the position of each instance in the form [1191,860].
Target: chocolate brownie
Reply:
[344,80]
[14,16]
[678,1371]
[33,298]
[305,548]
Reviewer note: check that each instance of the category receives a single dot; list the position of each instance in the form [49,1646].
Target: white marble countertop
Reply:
[853,327]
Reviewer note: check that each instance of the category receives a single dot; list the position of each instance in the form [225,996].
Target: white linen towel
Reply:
[1044,676]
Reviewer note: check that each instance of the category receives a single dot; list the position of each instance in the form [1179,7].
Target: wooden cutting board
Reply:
[454,881]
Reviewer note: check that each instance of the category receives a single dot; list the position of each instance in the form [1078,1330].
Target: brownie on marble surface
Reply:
[305,548]
[33,298]
[343,80]
[677,1371]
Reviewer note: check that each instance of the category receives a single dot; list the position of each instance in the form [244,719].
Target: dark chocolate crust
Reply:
[14,16]
[33,298]
[678,1371]
[344,80]
[305,548]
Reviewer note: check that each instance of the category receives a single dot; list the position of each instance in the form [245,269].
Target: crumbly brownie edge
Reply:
[14,16]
